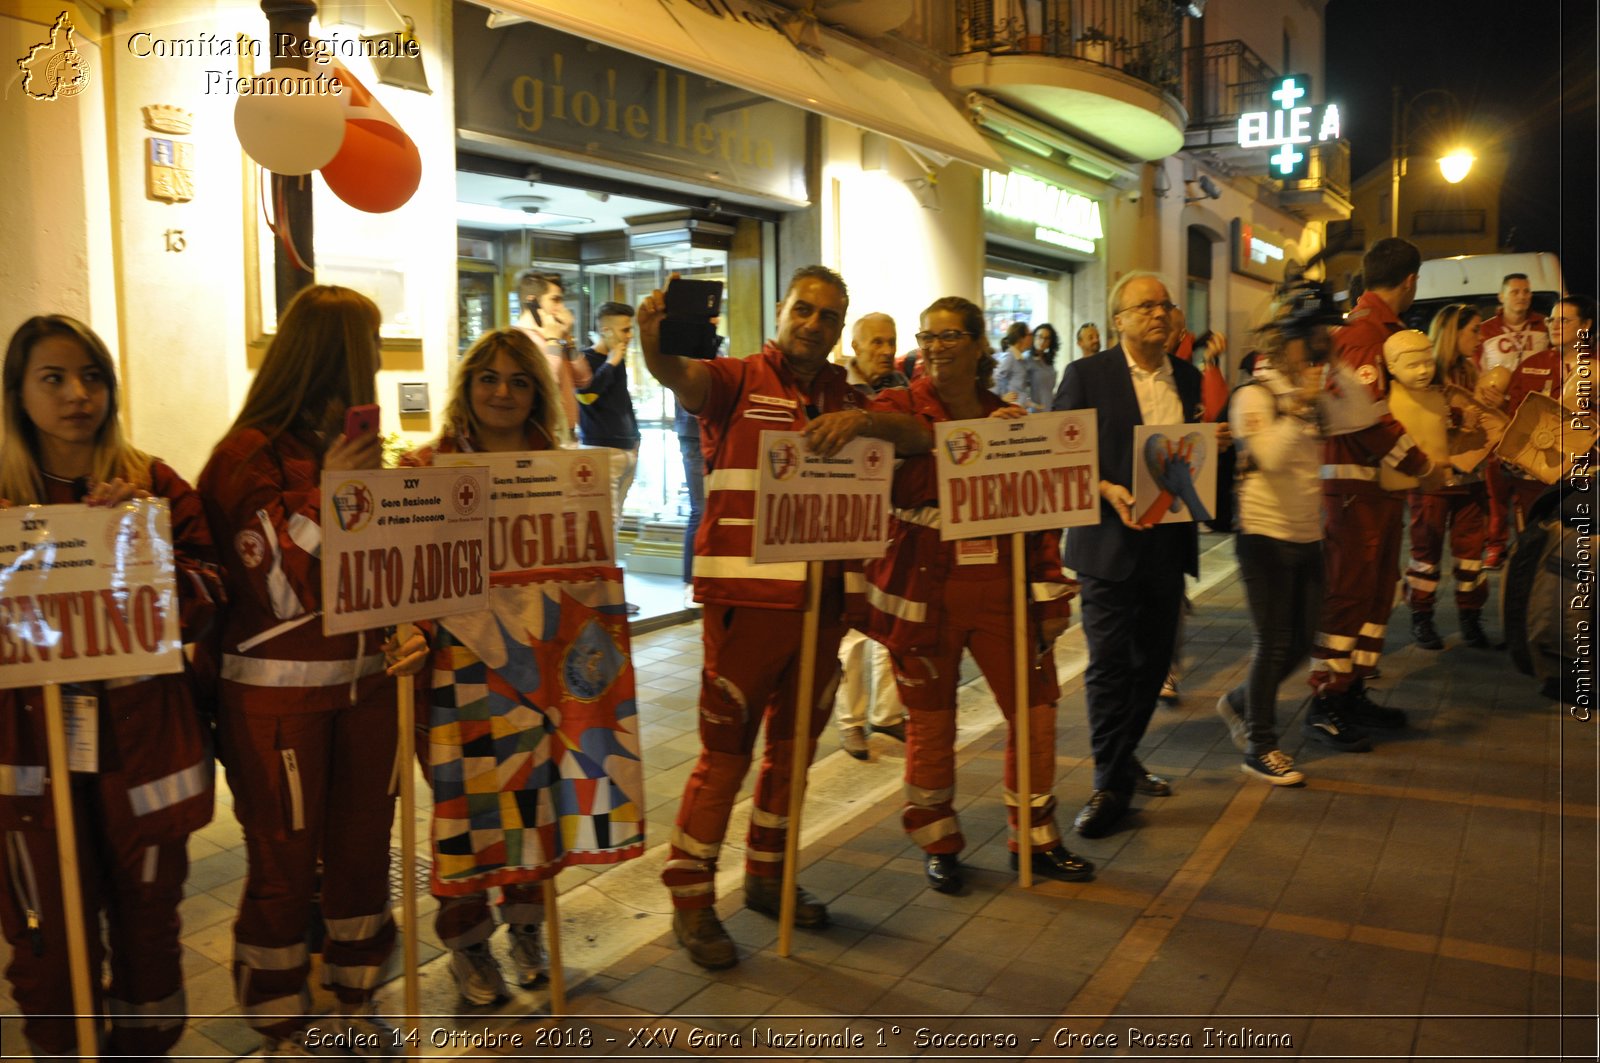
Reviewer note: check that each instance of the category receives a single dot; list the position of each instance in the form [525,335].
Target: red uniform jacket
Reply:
[1350,462]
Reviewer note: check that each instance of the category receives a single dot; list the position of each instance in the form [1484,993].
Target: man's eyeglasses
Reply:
[948,338]
[1146,309]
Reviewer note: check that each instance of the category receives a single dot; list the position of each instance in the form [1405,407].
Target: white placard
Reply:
[547,509]
[1033,473]
[87,592]
[402,544]
[811,508]
[1174,473]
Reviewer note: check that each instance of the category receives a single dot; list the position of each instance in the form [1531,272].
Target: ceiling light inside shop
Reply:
[482,214]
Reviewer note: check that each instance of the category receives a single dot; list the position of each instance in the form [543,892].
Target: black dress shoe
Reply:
[943,871]
[1099,816]
[896,731]
[1059,864]
[1149,784]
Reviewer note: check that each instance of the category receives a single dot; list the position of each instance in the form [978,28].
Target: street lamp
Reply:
[1454,166]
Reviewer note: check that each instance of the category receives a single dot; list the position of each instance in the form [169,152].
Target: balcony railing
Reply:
[1328,170]
[1224,79]
[1141,38]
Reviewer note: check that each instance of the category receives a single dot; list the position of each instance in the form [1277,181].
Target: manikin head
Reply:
[1409,355]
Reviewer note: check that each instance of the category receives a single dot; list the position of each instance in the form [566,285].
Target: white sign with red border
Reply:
[403,544]
[1033,473]
[87,592]
[812,508]
[547,509]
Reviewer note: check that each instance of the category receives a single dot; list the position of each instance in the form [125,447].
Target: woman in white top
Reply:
[1274,423]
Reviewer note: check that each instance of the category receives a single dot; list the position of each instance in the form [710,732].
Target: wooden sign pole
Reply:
[405,759]
[801,763]
[1022,712]
[552,925]
[87,1022]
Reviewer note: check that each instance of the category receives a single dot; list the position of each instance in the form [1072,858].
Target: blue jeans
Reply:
[694,477]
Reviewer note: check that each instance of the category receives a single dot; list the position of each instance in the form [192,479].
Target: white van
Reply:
[1477,278]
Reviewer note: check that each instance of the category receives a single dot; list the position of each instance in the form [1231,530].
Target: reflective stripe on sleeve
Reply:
[894,605]
[171,789]
[264,672]
[21,780]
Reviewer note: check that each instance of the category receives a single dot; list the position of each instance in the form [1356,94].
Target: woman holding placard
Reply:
[151,783]
[307,722]
[929,599]
[503,399]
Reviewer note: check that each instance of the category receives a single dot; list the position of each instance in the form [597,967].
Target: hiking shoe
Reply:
[1274,766]
[1424,634]
[700,933]
[527,954]
[1169,690]
[477,974]
[1324,723]
[853,740]
[1472,630]
[1238,729]
[765,895]
[370,1034]
[1362,711]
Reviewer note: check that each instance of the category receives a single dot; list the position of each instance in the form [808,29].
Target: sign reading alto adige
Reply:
[812,508]
[402,544]
[1033,473]
[87,592]
[547,509]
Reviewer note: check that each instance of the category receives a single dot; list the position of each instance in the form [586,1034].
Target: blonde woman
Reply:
[307,722]
[503,399]
[63,445]
[1462,507]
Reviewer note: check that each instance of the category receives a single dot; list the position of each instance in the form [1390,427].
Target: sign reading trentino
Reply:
[1027,474]
[402,544]
[1289,128]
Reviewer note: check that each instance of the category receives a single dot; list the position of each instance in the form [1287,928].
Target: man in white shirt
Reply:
[1510,336]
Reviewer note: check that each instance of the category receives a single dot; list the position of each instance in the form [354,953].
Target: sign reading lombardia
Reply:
[999,475]
[547,509]
[400,545]
[812,508]
[87,592]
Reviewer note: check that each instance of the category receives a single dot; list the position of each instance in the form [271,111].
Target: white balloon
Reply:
[290,123]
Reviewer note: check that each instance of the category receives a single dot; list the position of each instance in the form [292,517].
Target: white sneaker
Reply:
[1169,689]
[1274,766]
[1238,730]
[370,1033]
[527,954]
[477,974]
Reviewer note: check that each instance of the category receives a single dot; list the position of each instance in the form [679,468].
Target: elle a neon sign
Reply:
[1289,128]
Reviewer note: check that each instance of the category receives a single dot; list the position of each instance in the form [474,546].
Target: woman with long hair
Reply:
[503,399]
[927,604]
[1462,507]
[1042,368]
[307,721]
[63,444]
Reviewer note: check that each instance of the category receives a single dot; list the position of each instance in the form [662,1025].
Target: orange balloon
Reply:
[377,169]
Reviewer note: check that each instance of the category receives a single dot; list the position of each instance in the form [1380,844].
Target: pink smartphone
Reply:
[360,421]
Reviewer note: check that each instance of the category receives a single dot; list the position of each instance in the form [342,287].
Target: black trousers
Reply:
[1131,626]
[1283,586]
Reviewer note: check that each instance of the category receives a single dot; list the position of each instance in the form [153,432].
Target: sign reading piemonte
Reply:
[87,592]
[999,475]
[402,544]
[547,509]
[811,508]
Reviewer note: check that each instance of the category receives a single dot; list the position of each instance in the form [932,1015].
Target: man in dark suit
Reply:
[1132,574]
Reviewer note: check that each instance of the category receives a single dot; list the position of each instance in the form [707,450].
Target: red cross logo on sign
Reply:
[584,475]
[1071,433]
[465,495]
[873,460]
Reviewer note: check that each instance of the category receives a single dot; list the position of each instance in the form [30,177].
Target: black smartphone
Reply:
[687,330]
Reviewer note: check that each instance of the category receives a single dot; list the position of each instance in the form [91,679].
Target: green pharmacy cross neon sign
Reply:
[1291,128]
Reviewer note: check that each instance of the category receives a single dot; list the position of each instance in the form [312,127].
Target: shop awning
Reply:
[743,44]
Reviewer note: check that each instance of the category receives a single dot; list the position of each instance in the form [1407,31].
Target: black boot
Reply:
[1423,632]
[1472,629]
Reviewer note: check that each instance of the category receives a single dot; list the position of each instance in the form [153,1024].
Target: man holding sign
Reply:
[754,613]
[1132,573]
[930,599]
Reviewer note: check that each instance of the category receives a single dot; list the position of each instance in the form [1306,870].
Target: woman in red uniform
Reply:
[1463,506]
[503,400]
[307,722]
[63,444]
[929,599]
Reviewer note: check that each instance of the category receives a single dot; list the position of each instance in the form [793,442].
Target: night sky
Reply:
[1524,71]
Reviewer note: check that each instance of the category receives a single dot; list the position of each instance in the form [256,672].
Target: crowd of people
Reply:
[304,722]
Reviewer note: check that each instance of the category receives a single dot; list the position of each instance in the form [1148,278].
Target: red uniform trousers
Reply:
[138,887]
[977,611]
[1361,555]
[305,786]
[1463,512]
[751,675]
[1498,485]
